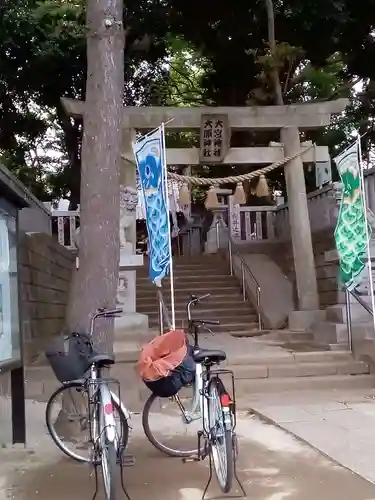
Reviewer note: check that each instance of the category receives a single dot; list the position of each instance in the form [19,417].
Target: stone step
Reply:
[197,271]
[228,326]
[327,331]
[129,348]
[195,278]
[245,388]
[339,347]
[216,299]
[191,263]
[283,336]
[186,291]
[284,357]
[209,260]
[183,286]
[216,313]
[287,370]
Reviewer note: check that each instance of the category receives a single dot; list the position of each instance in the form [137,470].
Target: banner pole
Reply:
[364,200]
[164,166]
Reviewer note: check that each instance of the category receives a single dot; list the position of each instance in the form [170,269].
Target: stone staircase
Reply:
[208,274]
[276,361]
[318,370]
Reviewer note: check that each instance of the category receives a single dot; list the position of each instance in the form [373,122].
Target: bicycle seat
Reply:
[102,360]
[212,355]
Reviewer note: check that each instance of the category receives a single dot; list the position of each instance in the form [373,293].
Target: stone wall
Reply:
[6,433]
[45,274]
[326,272]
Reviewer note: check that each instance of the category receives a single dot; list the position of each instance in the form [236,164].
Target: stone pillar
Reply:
[128,176]
[131,325]
[370,191]
[304,263]
[211,244]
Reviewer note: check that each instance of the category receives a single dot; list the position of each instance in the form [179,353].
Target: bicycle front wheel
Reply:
[110,469]
[221,437]
[68,421]
[165,427]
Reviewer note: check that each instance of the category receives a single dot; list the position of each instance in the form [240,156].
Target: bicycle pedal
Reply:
[191,459]
[127,461]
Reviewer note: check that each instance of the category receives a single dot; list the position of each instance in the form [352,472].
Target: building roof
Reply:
[13,190]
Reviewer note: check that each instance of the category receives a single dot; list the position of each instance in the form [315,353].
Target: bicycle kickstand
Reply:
[209,477]
[96,480]
[238,481]
[125,461]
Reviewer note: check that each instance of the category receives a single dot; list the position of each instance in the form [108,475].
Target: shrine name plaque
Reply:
[214,138]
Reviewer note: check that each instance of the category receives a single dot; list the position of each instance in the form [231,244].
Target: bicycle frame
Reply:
[100,394]
[199,400]
[99,389]
[199,405]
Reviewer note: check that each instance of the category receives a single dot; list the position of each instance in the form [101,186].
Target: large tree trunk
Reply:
[272,43]
[95,282]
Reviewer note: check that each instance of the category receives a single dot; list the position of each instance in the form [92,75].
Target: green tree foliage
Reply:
[177,53]
[43,58]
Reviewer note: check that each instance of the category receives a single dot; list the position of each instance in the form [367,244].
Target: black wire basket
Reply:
[70,358]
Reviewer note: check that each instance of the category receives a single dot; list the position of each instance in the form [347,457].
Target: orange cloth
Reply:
[161,355]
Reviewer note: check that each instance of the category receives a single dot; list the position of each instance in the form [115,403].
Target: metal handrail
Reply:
[349,313]
[244,267]
[360,301]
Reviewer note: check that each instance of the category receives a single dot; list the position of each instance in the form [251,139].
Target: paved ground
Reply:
[340,424]
[272,466]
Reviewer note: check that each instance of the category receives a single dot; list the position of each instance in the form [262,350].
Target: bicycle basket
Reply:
[69,359]
[166,364]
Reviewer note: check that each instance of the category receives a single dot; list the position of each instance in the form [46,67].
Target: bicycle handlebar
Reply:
[197,321]
[103,312]
[194,300]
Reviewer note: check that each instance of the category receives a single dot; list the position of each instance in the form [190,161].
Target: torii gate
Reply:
[289,120]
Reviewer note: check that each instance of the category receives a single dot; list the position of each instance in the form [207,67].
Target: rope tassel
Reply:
[211,199]
[262,189]
[184,195]
[239,197]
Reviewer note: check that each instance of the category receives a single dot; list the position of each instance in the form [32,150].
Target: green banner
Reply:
[351,236]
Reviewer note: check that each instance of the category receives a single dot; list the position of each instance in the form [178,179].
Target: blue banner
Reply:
[149,154]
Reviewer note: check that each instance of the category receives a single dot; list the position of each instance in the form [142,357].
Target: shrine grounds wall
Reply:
[327,273]
[45,275]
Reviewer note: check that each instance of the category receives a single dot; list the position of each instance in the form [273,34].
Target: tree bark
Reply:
[272,43]
[95,283]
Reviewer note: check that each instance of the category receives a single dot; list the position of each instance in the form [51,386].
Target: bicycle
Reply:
[81,373]
[210,404]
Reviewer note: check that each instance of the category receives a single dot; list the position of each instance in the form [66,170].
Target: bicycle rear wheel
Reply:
[67,417]
[221,435]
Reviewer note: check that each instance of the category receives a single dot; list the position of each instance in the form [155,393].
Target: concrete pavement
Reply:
[340,424]
[272,466]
